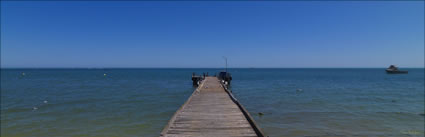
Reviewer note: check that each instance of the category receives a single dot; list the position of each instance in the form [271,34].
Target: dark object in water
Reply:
[260,114]
[422,114]
[394,70]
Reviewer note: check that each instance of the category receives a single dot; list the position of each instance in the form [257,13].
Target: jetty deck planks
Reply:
[209,112]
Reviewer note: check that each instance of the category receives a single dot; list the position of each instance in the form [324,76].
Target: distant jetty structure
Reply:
[211,111]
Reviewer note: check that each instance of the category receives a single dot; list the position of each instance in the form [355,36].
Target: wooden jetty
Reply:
[211,111]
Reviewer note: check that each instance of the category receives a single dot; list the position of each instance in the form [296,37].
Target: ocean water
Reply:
[139,102]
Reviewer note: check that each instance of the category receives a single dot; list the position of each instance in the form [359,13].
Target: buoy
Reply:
[45,101]
[260,114]
[23,74]
[104,74]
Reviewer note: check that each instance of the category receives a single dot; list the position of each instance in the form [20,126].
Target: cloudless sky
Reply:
[197,34]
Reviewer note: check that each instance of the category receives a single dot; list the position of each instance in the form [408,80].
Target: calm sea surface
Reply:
[139,102]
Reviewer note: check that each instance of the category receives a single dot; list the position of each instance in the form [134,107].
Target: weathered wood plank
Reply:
[209,112]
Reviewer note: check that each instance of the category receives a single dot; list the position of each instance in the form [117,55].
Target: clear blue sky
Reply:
[197,34]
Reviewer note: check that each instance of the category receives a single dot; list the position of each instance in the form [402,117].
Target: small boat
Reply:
[394,70]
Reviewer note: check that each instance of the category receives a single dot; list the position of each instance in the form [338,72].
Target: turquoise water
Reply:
[139,102]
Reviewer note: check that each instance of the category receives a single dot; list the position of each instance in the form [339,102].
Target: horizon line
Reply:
[197,67]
